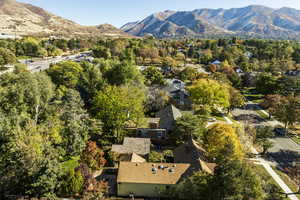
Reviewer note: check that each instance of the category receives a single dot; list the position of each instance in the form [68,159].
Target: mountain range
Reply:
[26,19]
[254,20]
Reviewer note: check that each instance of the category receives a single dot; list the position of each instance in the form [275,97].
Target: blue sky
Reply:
[119,12]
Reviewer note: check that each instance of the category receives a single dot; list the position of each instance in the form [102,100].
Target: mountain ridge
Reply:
[252,20]
[18,18]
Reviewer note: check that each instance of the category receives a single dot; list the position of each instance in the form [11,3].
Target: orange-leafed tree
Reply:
[93,156]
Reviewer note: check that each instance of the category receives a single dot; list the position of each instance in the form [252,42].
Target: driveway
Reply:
[284,150]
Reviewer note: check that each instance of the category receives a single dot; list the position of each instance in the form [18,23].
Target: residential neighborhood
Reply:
[99,113]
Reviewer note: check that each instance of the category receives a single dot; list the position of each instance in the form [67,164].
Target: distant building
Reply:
[216,62]
[176,91]
[140,146]
[168,117]
[293,73]
[248,54]
[148,179]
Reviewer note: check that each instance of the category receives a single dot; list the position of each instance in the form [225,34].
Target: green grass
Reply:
[262,114]
[258,101]
[296,139]
[287,181]
[70,164]
[23,57]
[262,172]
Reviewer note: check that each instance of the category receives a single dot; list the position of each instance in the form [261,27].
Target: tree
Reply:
[124,73]
[266,83]
[196,187]
[73,183]
[154,76]
[236,98]
[26,94]
[6,57]
[189,74]
[206,92]
[29,163]
[66,73]
[93,156]
[101,52]
[156,100]
[75,123]
[189,126]
[235,180]
[261,137]
[156,157]
[117,105]
[220,135]
[287,110]
[90,82]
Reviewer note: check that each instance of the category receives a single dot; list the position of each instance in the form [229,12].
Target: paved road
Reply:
[44,64]
[284,150]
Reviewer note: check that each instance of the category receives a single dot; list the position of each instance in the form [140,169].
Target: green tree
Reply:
[235,180]
[262,137]
[115,106]
[156,157]
[72,183]
[187,127]
[101,52]
[26,94]
[195,187]
[154,76]
[66,73]
[266,83]
[287,110]
[206,92]
[75,123]
[189,74]
[236,98]
[7,57]
[124,73]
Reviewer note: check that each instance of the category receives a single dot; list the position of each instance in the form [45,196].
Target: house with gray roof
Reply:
[140,146]
[168,117]
[191,152]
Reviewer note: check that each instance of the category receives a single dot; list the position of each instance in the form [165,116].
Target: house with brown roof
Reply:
[148,179]
[132,157]
[191,152]
[139,146]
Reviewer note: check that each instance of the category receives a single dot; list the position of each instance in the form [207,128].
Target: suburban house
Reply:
[175,89]
[168,117]
[293,73]
[216,62]
[148,179]
[139,146]
[192,153]
[153,131]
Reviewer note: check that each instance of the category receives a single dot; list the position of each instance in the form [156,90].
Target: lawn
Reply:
[261,171]
[262,114]
[296,139]
[287,181]
[296,130]
[70,164]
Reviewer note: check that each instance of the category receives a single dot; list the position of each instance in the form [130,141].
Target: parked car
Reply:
[211,119]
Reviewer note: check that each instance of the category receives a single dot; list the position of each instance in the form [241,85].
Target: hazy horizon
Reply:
[118,12]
